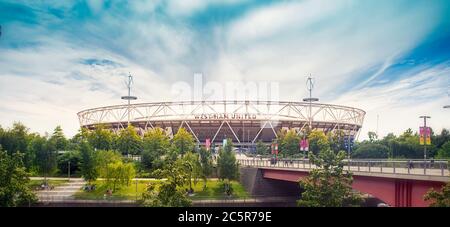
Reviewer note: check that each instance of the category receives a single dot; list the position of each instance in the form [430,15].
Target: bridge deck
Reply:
[361,168]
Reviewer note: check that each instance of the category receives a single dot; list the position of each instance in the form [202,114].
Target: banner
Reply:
[275,148]
[208,144]
[304,145]
[425,132]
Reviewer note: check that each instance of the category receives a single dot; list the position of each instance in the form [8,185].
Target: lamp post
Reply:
[425,136]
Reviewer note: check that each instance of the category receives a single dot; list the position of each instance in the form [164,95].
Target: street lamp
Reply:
[425,135]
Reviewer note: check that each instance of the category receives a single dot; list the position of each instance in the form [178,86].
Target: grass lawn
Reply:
[213,191]
[122,193]
[37,183]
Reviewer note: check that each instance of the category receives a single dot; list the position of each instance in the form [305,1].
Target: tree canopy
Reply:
[14,181]
[329,185]
[183,142]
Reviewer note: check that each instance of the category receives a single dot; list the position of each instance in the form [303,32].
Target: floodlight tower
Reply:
[310,99]
[129,97]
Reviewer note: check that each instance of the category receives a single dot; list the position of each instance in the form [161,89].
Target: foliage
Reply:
[88,163]
[168,193]
[119,174]
[206,165]
[155,146]
[63,162]
[336,140]
[129,141]
[58,141]
[190,164]
[226,162]
[439,199]
[45,155]
[183,142]
[14,139]
[101,138]
[14,190]
[318,141]
[104,158]
[227,165]
[371,150]
[262,148]
[444,152]
[289,144]
[328,185]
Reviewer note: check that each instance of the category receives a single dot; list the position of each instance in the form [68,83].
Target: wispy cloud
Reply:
[59,57]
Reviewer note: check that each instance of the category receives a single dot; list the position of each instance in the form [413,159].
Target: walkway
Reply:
[61,193]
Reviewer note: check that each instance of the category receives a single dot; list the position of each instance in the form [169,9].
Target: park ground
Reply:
[214,189]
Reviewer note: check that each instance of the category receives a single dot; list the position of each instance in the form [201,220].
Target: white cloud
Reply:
[46,85]
[400,104]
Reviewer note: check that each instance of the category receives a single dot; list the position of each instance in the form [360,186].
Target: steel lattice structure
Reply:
[243,121]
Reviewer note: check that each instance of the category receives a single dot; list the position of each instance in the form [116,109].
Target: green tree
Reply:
[206,165]
[104,158]
[58,140]
[336,140]
[227,165]
[444,152]
[407,146]
[75,142]
[192,167]
[371,150]
[30,155]
[289,145]
[88,163]
[129,142]
[101,138]
[45,155]
[155,146]
[119,174]
[14,139]
[183,142]
[328,185]
[439,199]
[167,193]
[372,136]
[73,157]
[318,141]
[262,148]
[14,190]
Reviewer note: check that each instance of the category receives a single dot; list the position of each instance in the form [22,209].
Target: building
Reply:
[245,122]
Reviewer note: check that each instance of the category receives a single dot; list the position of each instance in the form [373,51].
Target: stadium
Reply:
[245,122]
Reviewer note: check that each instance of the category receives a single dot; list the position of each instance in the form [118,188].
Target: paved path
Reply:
[61,193]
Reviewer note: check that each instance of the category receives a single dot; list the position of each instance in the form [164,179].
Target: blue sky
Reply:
[390,58]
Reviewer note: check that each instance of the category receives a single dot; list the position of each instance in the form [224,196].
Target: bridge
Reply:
[399,183]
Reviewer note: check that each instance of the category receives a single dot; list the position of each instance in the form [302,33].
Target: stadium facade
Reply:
[245,122]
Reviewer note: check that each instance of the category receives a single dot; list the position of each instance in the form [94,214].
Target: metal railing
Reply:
[411,167]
